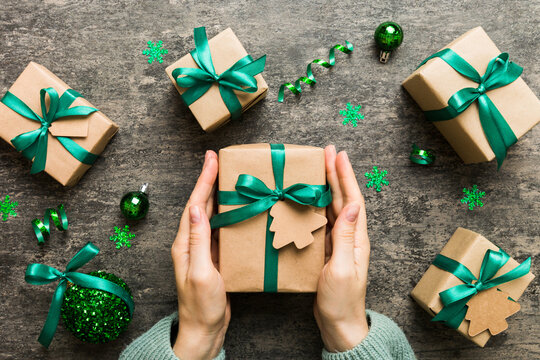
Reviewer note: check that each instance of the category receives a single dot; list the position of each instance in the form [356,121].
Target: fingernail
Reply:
[333,148]
[352,212]
[194,214]
[346,156]
[206,155]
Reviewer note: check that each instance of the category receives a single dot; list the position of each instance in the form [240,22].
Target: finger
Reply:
[347,179]
[332,178]
[200,258]
[361,240]
[210,203]
[343,234]
[215,248]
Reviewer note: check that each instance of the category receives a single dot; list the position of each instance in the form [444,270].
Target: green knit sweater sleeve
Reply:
[155,344]
[385,341]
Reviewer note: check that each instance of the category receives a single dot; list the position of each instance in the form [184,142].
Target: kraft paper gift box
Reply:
[433,83]
[210,109]
[244,248]
[468,248]
[92,132]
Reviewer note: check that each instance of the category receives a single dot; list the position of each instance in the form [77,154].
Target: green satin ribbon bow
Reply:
[39,274]
[258,198]
[500,72]
[456,298]
[42,228]
[240,76]
[33,144]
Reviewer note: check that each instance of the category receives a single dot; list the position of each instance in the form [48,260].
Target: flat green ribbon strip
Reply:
[258,198]
[421,157]
[310,79]
[456,298]
[33,144]
[39,274]
[240,76]
[500,72]
[42,228]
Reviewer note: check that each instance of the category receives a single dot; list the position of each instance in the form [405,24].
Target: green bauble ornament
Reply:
[134,205]
[95,316]
[388,37]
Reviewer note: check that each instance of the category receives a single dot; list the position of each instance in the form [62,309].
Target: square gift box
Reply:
[84,133]
[434,83]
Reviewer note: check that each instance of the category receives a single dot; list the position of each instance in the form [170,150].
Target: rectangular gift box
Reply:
[92,132]
[467,248]
[242,245]
[435,82]
[210,110]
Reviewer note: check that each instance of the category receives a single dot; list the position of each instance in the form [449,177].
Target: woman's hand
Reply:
[203,307]
[340,308]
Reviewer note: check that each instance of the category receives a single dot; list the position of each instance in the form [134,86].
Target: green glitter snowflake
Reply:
[377,179]
[473,197]
[351,115]
[122,237]
[155,52]
[7,208]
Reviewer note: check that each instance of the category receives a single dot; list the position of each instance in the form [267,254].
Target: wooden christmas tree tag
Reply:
[294,223]
[488,310]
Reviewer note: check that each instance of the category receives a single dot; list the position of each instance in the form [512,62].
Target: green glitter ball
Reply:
[134,205]
[95,316]
[388,35]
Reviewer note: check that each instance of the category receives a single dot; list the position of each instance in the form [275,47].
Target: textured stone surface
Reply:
[95,46]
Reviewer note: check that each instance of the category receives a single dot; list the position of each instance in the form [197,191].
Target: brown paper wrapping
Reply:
[210,110]
[467,248]
[435,82]
[242,245]
[92,132]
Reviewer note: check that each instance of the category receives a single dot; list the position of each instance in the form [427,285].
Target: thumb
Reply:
[343,234]
[199,238]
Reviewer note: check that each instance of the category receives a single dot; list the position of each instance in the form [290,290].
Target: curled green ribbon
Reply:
[258,198]
[456,298]
[240,76]
[310,79]
[421,157]
[42,228]
[33,144]
[39,274]
[500,72]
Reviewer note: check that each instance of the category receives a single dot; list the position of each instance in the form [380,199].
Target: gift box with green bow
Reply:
[467,267]
[53,125]
[218,80]
[481,116]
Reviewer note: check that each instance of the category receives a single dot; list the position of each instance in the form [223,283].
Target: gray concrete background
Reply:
[95,46]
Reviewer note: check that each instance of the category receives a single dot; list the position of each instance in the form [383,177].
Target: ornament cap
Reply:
[384,56]
[143,188]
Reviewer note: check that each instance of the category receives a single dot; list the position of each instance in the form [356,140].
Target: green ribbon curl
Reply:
[421,157]
[240,76]
[39,274]
[33,144]
[258,198]
[310,79]
[456,298]
[500,72]
[42,228]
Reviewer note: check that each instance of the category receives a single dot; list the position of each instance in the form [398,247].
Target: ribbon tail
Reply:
[41,153]
[25,141]
[453,315]
[77,151]
[241,214]
[231,101]
[53,317]
[194,93]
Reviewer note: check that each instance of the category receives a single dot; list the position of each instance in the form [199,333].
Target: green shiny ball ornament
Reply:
[93,315]
[134,205]
[388,36]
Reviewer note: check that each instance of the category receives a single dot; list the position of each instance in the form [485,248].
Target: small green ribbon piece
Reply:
[500,72]
[240,76]
[456,298]
[33,144]
[310,79]
[39,274]
[421,157]
[258,198]
[42,228]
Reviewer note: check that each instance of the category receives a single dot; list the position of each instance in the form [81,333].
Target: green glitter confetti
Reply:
[473,197]
[351,115]
[7,208]
[122,237]
[377,179]
[93,315]
[155,52]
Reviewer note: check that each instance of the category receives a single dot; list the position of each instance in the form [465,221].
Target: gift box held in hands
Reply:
[480,116]
[218,80]
[272,200]
[53,125]
[472,286]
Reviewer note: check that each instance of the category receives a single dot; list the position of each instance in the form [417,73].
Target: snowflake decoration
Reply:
[351,115]
[7,208]
[473,197]
[155,52]
[377,179]
[122,237]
